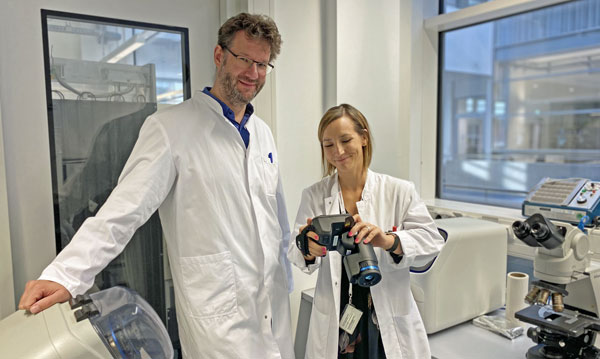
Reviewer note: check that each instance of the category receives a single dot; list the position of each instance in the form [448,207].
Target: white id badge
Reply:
[350,318]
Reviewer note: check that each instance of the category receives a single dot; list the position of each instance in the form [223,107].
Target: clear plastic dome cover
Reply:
[129,326]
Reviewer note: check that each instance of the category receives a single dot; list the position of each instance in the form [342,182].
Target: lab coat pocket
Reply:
[271,176]
[209,285]
[411,335]
[318,336]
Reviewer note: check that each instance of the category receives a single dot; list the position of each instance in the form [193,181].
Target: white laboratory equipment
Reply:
[110,324]
[467,278]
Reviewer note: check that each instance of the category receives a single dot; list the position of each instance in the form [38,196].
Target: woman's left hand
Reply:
[370,233]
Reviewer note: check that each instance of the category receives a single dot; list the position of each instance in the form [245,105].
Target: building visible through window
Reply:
[520,100]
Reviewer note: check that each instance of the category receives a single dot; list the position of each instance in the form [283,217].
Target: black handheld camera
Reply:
[359,259]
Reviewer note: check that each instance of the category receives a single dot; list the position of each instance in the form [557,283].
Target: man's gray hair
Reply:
[256,27]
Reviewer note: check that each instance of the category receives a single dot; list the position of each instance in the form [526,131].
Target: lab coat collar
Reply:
[211,102]
[369,184]
[214,105]
[227,111]
[332,203]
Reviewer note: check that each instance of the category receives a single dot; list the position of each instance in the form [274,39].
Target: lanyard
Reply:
[343,210]
[341,200]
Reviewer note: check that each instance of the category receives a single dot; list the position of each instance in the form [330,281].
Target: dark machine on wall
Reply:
[98,109]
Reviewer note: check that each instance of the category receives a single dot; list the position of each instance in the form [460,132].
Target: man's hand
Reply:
[41,294]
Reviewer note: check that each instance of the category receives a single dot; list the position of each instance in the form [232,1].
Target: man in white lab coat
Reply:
[210,167]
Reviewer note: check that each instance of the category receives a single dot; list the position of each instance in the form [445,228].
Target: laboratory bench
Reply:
[467,341]
[463,341]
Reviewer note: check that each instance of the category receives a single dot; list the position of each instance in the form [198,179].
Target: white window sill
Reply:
[502,215]
[493,213]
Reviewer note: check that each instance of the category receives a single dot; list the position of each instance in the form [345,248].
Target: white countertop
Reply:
[466,341]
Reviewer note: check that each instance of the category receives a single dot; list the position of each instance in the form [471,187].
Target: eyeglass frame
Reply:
[267,66]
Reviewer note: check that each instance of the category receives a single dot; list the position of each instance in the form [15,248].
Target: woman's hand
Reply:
[315,249]
[370,233]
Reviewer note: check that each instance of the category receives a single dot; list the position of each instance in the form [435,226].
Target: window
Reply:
[104,77]
[519,101]
[453,5]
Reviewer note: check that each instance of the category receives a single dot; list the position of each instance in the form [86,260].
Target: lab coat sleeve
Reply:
[143,184]
[285,233]
[305,211]
[419,236]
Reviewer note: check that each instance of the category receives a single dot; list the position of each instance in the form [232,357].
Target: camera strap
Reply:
[350,316]
[302,240]
[350,293]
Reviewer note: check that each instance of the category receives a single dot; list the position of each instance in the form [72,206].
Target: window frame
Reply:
[45,14]
[429,45]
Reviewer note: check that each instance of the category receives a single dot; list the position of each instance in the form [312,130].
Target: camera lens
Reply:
[369,276]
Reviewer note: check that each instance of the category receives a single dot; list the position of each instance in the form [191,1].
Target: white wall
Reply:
[7,302]
[368,76]
[359,52]
[422,88]
[25,121]
[384,58]
[299,107]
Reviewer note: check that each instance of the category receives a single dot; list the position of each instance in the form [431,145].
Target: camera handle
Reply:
[302,240]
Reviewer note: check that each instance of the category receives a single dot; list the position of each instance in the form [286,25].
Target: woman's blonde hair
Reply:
[360,125]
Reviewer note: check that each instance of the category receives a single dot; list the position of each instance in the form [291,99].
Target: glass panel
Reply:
[453,5]
[520,100]
[104,78]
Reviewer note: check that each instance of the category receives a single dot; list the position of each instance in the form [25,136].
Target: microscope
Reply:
[564,302]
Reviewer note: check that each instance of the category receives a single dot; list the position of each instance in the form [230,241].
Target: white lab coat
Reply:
[225,224]
[386,202]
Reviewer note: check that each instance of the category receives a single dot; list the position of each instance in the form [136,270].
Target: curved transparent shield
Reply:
[129,326]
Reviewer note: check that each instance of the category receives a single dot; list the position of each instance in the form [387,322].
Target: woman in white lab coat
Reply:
[390,216]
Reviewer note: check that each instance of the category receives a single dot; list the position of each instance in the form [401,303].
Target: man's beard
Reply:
[232,94]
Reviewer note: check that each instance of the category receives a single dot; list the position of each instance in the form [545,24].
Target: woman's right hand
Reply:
[315,249]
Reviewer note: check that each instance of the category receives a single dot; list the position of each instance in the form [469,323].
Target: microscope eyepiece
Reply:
[540,231]
[521,229]
[537,231]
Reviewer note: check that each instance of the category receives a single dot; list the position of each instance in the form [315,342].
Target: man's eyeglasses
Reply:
[262,67]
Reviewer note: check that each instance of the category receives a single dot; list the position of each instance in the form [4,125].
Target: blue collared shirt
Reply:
[228,113]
